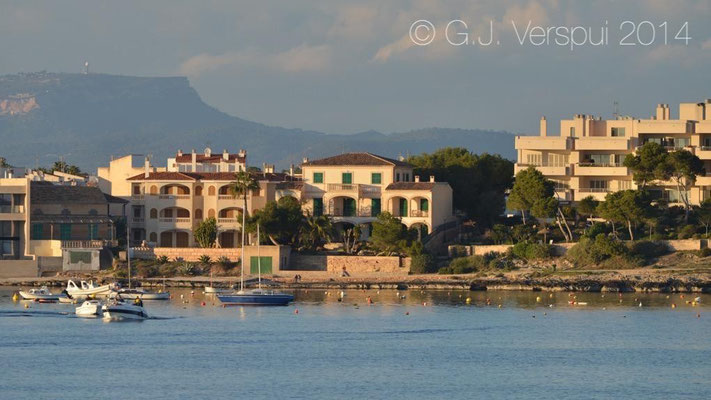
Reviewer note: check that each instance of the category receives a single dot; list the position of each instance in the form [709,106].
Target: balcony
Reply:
[544,169]
[88,244]
[229,221]
[174,197]
[543,143]
[17,209]
[597,193]
[602,143]
[369,191]
[136,220]
[600,170]
[664,127]
[419,213]
[363,212]
[341,187]
[703,152]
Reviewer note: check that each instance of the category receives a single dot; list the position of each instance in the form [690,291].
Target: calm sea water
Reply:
[444,349]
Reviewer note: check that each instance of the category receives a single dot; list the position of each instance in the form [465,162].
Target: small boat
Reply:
[256,297]
[39,294]
[67,300]
[90,308]
[143,295]
[87,289]
[118,309]
[216,290]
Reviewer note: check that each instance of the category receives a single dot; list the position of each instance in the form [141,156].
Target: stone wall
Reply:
[184,253]
[353,264]
[687,244]
[560,249]
[18,269]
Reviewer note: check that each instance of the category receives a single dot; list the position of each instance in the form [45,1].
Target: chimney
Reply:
[305,160]
[180,152]
[544,127]
[146,168]
[432,178]
[417,178]
[666,112]
[225,155]
[659,113]
[291,170]
[242,153]
[208,152]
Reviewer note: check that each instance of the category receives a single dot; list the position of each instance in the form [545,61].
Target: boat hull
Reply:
[91,310]
[145,295]
[256,300]
[121,313]
[32,296]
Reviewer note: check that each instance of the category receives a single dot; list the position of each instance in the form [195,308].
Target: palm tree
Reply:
[316,230]
[240,187]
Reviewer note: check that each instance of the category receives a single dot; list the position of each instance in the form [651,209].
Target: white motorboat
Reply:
[90,308]
[87,289]
[67,300]
[131,294]
[216,290]
[121,310]
[39,294]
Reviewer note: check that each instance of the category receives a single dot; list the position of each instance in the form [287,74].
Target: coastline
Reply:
[642,280]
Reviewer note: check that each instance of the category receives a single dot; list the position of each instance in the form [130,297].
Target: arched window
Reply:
[211,191]
[198,191]
[154,213]
[154,189]
[198,213]
[211,213]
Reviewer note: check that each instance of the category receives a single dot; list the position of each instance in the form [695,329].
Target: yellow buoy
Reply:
[538,299]
[27,305]
[469,300]
[15,297]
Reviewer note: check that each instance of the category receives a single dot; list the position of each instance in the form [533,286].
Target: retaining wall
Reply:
[184,253]
[353,264]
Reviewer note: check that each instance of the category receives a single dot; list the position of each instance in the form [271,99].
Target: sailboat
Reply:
[138,293]
[254,297]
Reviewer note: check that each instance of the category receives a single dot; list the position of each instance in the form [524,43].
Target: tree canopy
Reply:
[280,221]
[625,206]
[479,182]
[530,187]
[389,234]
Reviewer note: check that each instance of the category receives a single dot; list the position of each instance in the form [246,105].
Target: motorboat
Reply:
[118,309]
[256,297]
[87,289]
[67,300]
[90,308]
[143,295]
[216,290]
[39,294]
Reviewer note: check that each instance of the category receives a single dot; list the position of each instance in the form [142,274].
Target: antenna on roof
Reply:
[86,68]
[615,109]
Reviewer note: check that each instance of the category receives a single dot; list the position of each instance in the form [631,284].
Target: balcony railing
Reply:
[174,196]
[88,244]
[18,209]
[593,164]
[226,197]
[339,212]
[137,220]
[229,220]
[341,187]
[174,219]
[594,190]
[419,213]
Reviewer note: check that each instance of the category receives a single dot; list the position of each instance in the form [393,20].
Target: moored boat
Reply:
[121,310]
[256,297]
[39,294]
[143,295]
[87,289]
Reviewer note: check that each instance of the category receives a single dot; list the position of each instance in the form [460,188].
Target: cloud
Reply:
[303,58]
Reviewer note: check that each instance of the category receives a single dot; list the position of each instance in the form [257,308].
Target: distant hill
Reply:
[91,117]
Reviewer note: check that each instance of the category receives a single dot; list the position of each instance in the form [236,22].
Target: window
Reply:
[5,203]
[403,207]
[534,159]
[374,207]
[318,177]
[598,186]
[624,185]
[318,207]
[407,177]
[93,231]
[347,178]
[424,205]
[198,191]
[397,177]
[376,178]
[349,207]
[560,186]
[65,232]
[557,160]
[37,231]
[136,189]
[154,213]
[617,132]
[136,212]
[572,131]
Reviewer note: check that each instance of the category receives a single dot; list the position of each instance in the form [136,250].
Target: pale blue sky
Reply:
[346,66]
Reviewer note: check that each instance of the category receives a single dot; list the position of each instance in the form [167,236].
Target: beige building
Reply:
[353,188]
[585,158]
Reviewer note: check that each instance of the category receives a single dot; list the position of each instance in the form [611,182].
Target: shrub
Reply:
[648,250]
[594,251]
[422,264]
[188,269]
[205,259]
[687,232]
[502,263]
[445,271]
[162,260]
[147,271]
[531,251]
[466,265]
[705,252]
[596,229]
[223,260]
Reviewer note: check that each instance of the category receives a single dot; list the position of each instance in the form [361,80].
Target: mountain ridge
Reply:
[87,118]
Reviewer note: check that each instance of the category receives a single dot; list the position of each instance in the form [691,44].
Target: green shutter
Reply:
[374,207]
[318,207]
[65,232]
[318,177]
[347,178]
[93,231]
[266,265]
[424,205]
[376,178]
[349,207]
[403,207]
[37,231]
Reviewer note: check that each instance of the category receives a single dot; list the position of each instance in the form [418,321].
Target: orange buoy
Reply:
[203,304]
[296,311]
[407,313]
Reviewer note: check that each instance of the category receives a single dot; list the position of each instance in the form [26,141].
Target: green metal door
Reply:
[266,264]
[349,207]
[403,207]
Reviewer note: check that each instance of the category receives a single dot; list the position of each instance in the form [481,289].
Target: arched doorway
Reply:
[342,206]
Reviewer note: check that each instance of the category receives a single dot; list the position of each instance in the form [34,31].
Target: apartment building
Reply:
[14,203]
[353,188]
[585,157]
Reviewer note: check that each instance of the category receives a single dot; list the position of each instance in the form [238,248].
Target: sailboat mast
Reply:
[259,260]
[128,250]
[241,255]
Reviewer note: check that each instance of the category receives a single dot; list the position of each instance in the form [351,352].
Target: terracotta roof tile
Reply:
[60,194]
[213,158]
[209,176]
[357,159]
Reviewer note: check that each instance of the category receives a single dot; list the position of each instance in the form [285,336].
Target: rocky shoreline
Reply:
[613,281]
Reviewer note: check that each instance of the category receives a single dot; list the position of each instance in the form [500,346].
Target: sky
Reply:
[352,66]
